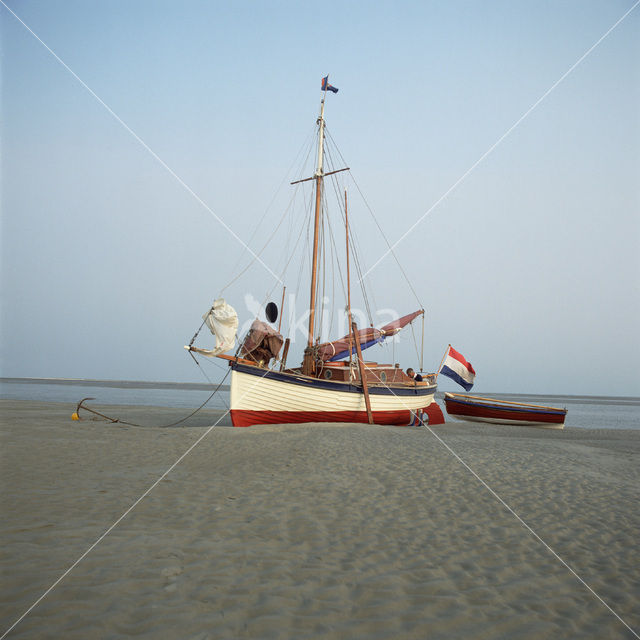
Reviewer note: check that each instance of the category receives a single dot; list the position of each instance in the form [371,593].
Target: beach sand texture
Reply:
[315,531]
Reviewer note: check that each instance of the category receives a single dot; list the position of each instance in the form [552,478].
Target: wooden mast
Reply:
[346,221]
[422,345]
[363,373]
[308,364]
[281,308]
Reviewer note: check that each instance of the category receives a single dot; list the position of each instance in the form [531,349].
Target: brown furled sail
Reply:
[262,343]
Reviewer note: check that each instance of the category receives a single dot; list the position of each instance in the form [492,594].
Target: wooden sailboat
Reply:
[326,387]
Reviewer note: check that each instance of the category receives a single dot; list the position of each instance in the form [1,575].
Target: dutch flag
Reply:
[458,369]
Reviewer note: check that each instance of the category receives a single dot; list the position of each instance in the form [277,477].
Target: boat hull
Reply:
[260,396]
[247,418]
[476,409]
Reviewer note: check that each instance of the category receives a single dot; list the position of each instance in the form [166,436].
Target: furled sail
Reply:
[394,327]
[222,320]
[262,343]
[338,349]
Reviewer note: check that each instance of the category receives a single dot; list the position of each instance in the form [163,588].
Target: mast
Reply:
[281,308]
[363,372]
[346,222]
[308,363]
[316,227]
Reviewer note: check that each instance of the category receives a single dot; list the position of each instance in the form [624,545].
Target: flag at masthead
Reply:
[326,86]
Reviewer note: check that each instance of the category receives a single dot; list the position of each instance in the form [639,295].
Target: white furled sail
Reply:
[222,320]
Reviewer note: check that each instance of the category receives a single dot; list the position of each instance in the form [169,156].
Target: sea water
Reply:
[588,412]
[121,392]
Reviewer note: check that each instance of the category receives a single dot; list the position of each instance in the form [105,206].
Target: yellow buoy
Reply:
[75,416]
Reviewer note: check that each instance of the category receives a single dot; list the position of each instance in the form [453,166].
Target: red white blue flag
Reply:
[458,369]
[326,86]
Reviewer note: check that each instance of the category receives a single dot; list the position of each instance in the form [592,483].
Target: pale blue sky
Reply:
[529,267]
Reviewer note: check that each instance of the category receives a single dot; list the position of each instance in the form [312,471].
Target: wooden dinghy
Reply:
[479,409]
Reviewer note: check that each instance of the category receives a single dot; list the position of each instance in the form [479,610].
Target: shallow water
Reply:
[589,412]
[126,393]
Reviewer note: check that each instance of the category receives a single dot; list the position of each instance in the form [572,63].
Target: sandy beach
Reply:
[315,531]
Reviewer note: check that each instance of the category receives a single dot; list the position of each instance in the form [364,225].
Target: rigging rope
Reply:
[308,142]
[264,246]
[353,242]
[326,243]
[377,224]
[335,264]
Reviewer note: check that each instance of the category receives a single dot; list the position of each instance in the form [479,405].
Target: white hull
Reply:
[259,394]
[258,399]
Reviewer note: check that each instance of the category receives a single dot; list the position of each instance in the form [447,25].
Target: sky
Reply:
[482,127]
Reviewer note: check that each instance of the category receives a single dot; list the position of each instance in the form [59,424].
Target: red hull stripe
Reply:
[246,418]
[524,415]
[434,413]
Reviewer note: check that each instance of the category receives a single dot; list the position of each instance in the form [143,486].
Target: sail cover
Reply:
[338,349]
[262,343]
[222,320]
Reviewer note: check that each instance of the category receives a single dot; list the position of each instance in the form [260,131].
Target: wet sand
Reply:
[314,531]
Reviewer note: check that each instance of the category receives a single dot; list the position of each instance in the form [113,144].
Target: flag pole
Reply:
[441,361]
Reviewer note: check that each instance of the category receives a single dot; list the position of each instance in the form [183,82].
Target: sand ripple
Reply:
[318,531]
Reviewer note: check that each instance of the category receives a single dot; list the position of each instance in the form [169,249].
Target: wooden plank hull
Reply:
[478,409]
[260,396]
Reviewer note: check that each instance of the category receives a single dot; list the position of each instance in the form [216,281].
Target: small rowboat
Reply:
[478,409]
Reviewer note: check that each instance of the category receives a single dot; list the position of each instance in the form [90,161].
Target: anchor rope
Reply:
[163,426]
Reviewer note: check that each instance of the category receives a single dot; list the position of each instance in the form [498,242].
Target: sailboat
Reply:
[333,383]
